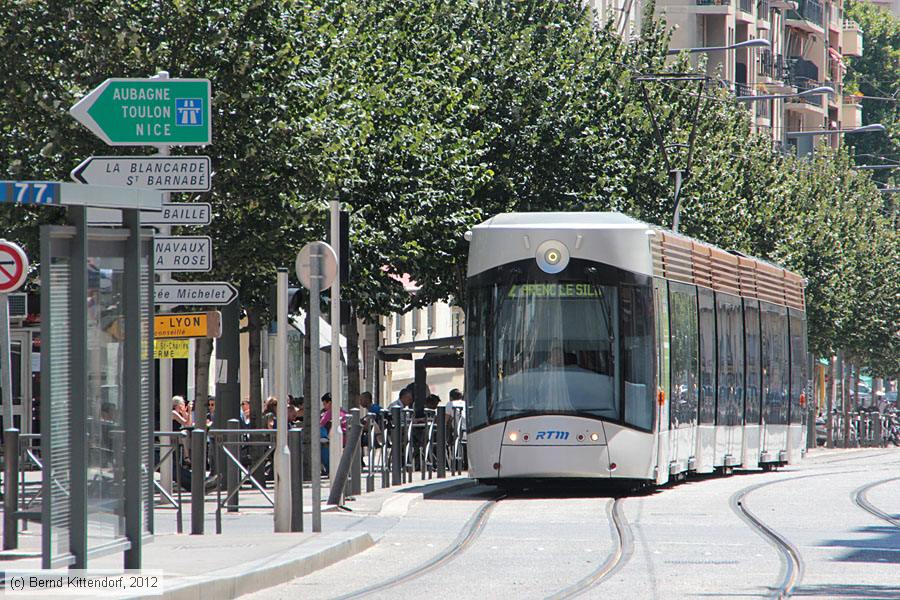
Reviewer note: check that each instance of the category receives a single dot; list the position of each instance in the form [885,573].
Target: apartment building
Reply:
[809,40]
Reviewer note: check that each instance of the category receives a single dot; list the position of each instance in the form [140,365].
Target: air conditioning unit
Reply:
[18,306]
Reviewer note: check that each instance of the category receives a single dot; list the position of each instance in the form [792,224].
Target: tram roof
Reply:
[665,254]
[565,220]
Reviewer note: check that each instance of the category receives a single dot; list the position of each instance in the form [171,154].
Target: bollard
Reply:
[296,446]
[232,443]
[396,446]
[179,461]
[441,450]
[370,473]
[10,488]
[386,459]
[198,480]
[356,466]
[343,470]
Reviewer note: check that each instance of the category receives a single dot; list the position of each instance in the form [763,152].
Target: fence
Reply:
[233,466]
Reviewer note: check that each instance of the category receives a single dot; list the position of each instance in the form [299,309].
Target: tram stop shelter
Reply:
[444,352]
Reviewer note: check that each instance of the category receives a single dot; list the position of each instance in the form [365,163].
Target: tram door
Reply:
[20,357]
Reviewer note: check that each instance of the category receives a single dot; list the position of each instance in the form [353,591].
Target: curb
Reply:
[315,554]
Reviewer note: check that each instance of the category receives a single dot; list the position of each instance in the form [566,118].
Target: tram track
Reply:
[623,548]
[469,533]
[859,498]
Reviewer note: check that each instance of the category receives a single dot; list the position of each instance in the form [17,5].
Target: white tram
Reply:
[598,346]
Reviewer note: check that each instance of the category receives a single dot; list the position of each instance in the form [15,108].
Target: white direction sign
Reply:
[197,293]
[164,173]
[174,213]
[185,253]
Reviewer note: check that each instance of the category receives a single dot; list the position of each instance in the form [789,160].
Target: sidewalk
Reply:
[248,556]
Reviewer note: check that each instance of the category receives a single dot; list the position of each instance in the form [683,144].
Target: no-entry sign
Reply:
[13,267]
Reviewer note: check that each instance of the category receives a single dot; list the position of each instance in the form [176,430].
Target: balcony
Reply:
[715,7]
[771,67]
[851,112]
[833,17]
[746,7]
[808,17]
[763,109]
[853,39]
[762,10]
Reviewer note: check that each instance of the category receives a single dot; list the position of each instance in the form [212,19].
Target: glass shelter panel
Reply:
[105,401]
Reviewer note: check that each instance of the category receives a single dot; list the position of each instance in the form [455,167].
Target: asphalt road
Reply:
[691,540]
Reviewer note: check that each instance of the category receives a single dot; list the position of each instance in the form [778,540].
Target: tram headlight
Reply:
[513,436]
[595,436]
[552,256]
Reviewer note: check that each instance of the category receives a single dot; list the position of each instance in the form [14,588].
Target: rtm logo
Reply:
[552,435]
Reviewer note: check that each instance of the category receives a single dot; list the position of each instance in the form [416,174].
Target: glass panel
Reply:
[554,349]
[637,355]
[684,336]
[730,380]
[60,418]
[105,426]
[752,382]
[707,357]
[774,363]
[798,363]
[663,374]
[478,369]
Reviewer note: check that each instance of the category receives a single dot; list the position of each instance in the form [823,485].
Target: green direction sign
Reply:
[136,112]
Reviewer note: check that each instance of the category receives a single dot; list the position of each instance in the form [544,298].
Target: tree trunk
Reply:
[352,332]
[829,406]
[203,351]
[254,328]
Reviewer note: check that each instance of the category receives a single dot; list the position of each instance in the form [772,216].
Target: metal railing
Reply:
[860,429]
[810,10]
[713,2]
[762,10]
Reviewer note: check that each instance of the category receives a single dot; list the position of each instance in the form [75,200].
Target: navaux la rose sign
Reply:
[128,112]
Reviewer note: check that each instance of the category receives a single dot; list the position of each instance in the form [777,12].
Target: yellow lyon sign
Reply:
[188,325]
[171,348]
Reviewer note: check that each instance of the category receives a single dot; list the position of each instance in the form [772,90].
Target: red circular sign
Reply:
[13,267]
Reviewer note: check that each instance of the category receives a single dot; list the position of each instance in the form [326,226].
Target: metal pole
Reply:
[135,493]
[198,479]
[165,364]
[232,443]
[335,441]
[78,351]
[829,405]
[312,420]
[441,445]
[845,404]
[10,491]
[5,363]
[295,444]
[282,451]
[356,465]
[397,445]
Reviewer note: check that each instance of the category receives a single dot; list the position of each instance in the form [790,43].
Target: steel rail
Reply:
[470,532]
[623,548]
[859,498]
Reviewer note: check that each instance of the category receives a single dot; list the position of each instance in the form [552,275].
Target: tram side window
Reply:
[636,313]
[730,381]
[798,362]
[751,330]
[773,320]
[477,360]
[707,357]
[684,343]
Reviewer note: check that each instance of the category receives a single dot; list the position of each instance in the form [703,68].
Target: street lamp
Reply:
[754,43]
[811,92]
[873,128]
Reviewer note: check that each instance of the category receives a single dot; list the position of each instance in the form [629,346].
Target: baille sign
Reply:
[188,325]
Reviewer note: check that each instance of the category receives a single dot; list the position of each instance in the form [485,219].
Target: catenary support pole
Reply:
[282,451]
[295,441]
[315,461]
[10,491]
[335,438]
[198,479]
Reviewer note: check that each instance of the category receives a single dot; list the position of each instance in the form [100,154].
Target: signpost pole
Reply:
[5,363]
[282,452]
[315,278]
[165,364]
[335,439]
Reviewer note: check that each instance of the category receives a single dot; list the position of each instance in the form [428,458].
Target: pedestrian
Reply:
[270,413]
[325,428]
[367,405]
[210,411]
[404,399]
[245,414]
